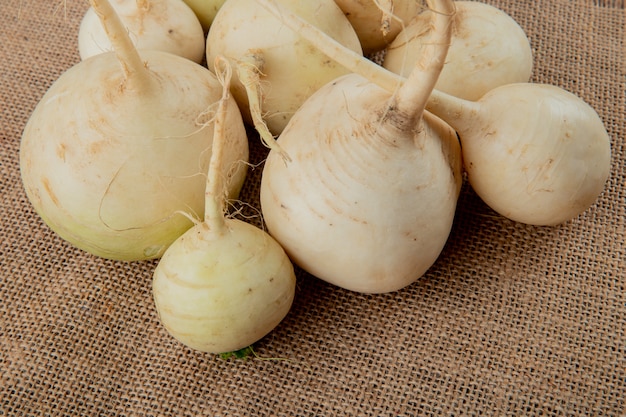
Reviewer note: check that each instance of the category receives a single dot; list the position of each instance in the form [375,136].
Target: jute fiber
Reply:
[512,320]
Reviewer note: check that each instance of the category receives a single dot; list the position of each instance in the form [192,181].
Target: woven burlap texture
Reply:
[512,320]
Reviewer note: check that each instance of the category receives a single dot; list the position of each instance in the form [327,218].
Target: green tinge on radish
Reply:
[368,199]
[205,10]
[222,291]
[115,164]
[488,49]
[224,284]
[289,68]
[164,25]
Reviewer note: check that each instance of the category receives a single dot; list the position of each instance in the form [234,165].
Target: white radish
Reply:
[276,70]
[368,199]
[488,49]
[224,284]
[205,10]
[378,22]
[164,25]
[535,153]
[109,162]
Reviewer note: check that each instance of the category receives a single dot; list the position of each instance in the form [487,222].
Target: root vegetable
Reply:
[488,49]
[368,198]
[378,22]
[109,162]
[535,153]
[164,25]
[224,284]
[279,69]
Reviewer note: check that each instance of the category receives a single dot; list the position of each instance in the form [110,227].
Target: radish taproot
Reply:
[368,199]
[488,49]
[164,25]
[378,22]
[225,283]
[556,147]
[109,162]
[279,68]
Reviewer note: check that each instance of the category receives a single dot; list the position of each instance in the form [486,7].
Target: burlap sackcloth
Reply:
[512,320]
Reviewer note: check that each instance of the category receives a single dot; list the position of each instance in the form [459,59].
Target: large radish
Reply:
[368,198]
[115,163]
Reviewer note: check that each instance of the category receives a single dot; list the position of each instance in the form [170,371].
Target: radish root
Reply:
[215,194]
[249,71]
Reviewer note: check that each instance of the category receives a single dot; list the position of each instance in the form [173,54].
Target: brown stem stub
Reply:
[420,83]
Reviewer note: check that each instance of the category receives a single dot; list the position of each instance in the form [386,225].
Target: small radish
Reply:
[224,284]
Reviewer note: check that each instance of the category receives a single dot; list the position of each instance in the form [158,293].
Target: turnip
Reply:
[276,70]
[225,283]
[114,155]
[535,153]
[368,199]
[205,10]
[164,25]
[378,22]
[488,49]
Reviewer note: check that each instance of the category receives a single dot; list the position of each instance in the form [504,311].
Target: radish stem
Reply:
[249,70]
[214,193]
[386,7]
[455,111]
[351,60]
[133,67]
[411,98]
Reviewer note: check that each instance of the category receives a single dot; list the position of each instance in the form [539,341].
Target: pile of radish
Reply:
[366,159]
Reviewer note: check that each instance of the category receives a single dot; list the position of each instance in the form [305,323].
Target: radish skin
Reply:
[534,153]
[378,22]
[224,284]
[164,25]
[368,199]
[110,163]
[287,67]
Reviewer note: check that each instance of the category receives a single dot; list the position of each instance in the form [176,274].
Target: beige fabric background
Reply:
[513,320]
